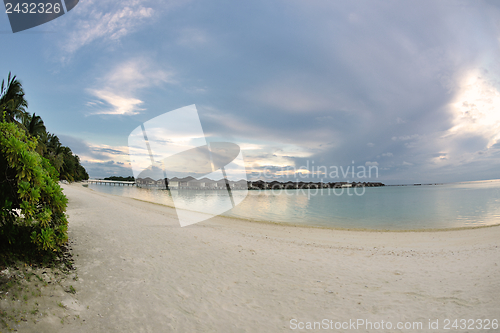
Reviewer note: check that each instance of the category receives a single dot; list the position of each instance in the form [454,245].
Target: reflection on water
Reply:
[391,207]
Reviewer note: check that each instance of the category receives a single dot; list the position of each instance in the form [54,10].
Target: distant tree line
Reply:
[32,161]
[276,185]
[121,179]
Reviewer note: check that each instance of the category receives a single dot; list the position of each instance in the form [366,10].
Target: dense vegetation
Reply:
[32,161]
[121,179]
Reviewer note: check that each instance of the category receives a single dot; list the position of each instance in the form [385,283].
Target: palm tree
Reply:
[12,102]
[34,125]
[55,151]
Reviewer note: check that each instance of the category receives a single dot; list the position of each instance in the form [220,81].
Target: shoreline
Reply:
[289,224]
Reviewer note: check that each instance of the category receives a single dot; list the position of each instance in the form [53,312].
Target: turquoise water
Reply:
[391,207]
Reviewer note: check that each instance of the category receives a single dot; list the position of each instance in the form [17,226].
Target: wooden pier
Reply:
[110,182]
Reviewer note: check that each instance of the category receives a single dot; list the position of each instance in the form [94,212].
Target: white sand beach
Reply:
[139,271]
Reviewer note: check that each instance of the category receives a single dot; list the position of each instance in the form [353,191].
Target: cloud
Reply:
[119,105]
[137,73]
[356,73]
[405,137]
[122,84]
[314,81]
[371,163]
[103,20]
[476,108]
[97,169]
[95,152]
[99,160]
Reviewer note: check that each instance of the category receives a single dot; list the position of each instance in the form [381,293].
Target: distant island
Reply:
[121,179]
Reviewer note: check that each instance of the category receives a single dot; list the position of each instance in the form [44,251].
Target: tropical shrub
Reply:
[32,204]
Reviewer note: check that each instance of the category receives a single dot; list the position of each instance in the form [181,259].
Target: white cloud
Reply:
[476,108]
[407,163]
[370,144]
[371,163]
[250,146]
[136,74]
[105,20]
[474,133]
[387,154]
[120,85]
[119,105]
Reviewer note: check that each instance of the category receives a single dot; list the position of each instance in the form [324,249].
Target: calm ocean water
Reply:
[391,207]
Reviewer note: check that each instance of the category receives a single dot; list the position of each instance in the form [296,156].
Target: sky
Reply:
[410,88]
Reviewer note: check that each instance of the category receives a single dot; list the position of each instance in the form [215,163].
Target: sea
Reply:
[419,207]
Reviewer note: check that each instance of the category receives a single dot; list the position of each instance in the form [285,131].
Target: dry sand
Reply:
[139,271]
